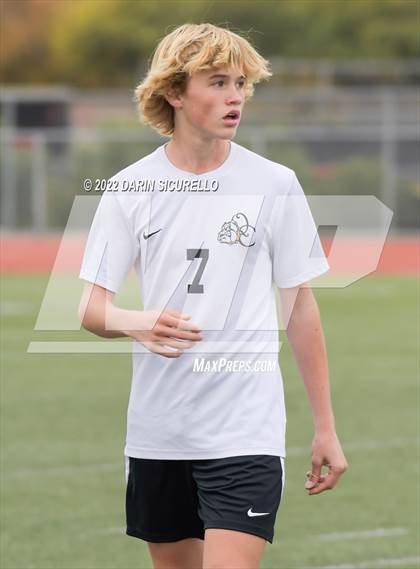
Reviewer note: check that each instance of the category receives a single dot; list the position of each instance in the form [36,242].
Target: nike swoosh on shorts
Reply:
[252,514]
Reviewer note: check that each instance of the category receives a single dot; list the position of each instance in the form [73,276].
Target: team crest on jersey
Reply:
[237,230]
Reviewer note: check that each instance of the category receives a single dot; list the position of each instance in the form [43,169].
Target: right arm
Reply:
[155,330]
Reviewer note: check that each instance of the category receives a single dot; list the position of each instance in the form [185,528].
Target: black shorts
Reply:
[170,500]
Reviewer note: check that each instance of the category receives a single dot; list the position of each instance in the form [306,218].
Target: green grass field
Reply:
[63,433]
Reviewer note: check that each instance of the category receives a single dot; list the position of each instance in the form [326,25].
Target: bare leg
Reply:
[183,554]
[227,549]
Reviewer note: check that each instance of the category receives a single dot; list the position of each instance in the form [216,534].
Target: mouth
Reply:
[232,117]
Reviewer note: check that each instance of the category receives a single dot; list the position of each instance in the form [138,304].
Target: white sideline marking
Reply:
[374,564]
[53,470]
[380,532]
[367,534]
[291,451]
[358,446]
[110,531]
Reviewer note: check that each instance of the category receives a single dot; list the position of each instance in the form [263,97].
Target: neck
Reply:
[195,154]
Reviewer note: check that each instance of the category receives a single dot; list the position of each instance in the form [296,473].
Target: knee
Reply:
[184,554]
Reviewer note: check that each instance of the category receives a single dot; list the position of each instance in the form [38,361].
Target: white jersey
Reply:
[214,246]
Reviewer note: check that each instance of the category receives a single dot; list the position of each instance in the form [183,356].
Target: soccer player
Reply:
[211,229]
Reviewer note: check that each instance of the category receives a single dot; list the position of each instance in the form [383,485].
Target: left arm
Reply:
[306,337]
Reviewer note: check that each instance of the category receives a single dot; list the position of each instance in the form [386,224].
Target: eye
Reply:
[241,82]
[220,83]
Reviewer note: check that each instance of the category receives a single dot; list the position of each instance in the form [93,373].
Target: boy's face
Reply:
[208,99]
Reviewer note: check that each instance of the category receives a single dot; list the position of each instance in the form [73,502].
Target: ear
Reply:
[174,97]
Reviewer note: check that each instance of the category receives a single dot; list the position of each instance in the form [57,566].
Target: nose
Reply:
[234,96]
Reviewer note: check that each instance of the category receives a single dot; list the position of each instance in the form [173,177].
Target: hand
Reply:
[166,333]
[326,450]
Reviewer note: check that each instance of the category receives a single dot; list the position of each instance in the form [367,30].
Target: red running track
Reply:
[31,254]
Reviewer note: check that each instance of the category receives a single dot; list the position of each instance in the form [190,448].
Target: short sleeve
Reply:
[296,247]
[111,247]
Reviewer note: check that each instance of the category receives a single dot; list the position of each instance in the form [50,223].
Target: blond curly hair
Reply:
[186,50]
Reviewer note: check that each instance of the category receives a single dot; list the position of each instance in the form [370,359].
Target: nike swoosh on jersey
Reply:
[252,514]
[150,234]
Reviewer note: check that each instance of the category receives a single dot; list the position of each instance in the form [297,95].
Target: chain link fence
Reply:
[340,141]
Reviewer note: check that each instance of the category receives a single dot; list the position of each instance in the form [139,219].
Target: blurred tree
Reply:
[108,42]
[111,41]
[25,27]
